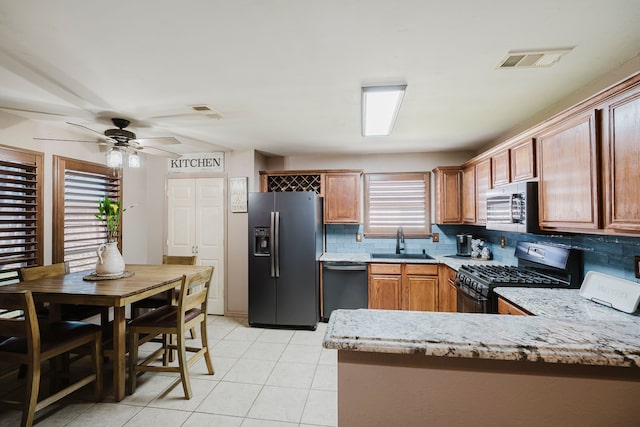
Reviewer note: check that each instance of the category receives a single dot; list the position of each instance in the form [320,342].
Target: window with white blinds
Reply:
[395,200]
[21,232]
[78,188]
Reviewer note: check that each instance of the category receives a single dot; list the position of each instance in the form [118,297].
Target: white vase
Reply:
[110,262]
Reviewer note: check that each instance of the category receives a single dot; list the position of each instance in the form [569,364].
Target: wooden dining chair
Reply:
[32,343]
[67,311]
[156,301]
[173,321]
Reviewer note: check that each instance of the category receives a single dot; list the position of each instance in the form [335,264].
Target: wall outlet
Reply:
[636,261]
[503,242]
[435,237]
[359,237]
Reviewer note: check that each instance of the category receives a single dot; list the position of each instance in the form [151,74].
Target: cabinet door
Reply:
[448,195]
[523,164]
[447,294]
[469,194]
[622,164]
[483,183]
[505,307]
[384,292]
[342,198]
[421,293]
[500,168]
[568,175]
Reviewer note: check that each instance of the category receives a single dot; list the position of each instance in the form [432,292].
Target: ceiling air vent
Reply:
[206,111]
[533,58]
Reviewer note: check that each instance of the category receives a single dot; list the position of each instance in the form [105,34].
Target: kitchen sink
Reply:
[402,256]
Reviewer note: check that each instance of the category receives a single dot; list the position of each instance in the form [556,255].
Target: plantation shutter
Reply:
[20,212]
[80,186]
[397,200]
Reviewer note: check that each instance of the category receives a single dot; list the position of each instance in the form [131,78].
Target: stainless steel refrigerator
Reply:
[285,242]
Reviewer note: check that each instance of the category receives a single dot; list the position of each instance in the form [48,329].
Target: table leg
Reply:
[119,351]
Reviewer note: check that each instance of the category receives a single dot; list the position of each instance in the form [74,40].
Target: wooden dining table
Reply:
[72,288]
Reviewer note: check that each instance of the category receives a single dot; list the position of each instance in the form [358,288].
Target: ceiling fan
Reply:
[119,140]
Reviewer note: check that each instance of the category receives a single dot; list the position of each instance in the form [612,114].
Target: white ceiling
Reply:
[285,75]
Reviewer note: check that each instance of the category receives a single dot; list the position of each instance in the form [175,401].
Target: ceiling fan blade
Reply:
[151,142]
[72,140]
[94,132]
[159,152]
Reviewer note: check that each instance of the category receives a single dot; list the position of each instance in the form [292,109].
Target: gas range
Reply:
[539,265]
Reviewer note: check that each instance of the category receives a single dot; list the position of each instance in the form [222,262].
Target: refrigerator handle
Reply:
[277,244]
[272,237]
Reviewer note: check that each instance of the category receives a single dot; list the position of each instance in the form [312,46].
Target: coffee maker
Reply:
[463,244]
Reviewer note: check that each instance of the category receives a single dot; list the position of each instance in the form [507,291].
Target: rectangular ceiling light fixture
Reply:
[380,105]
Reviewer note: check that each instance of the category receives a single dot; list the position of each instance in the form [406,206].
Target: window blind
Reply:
[397,200]
[83,232]
[20,212]
[83,186]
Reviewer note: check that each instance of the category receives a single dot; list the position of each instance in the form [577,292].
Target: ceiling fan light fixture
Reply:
[134,160]
[380,106]
[114,158]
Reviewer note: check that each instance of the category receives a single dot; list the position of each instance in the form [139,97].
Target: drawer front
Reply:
[422,269]
[385,268]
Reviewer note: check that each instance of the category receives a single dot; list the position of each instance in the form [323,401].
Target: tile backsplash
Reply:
[611,255]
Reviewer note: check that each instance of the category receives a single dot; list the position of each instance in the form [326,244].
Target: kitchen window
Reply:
[395,200]
[20,212]
[78,186]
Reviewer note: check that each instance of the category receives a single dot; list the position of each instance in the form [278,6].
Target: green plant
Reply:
[109,213]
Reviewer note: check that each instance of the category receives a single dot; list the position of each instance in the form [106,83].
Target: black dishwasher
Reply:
[344,285]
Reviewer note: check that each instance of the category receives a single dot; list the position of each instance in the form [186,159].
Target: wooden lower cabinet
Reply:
[505,307]
[447,291]
[403,286]
[385,286]
[420,285]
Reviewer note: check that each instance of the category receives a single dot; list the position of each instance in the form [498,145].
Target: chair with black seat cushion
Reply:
[68,311]
[31,343]
[156,301]
[173,321]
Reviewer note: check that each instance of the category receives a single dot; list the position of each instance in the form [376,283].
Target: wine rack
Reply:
[283,183]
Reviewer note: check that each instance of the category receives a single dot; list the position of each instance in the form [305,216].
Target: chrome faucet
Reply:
[399,240]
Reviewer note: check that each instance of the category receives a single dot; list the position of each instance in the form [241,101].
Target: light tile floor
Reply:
[263,377]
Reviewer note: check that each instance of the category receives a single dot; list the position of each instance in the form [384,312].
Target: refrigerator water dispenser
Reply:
[261,241]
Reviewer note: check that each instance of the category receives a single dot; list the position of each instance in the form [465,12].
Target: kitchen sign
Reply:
[197,163]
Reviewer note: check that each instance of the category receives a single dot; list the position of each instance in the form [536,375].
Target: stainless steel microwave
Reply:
[513,207]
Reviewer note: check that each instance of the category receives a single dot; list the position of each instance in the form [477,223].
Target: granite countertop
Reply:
[564,304]
[486,336]
[454,263]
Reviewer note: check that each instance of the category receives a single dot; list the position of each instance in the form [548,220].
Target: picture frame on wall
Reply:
[238,194]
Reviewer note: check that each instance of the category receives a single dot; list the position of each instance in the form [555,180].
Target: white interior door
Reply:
[209,239]
[196,227]
[181,219]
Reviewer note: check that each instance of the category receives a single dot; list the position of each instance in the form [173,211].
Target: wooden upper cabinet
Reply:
[448,195]
[621,163]
[483,183]
[340,189]
[568,174]
[500,168]
[469,194]
[523,161]
[342,198]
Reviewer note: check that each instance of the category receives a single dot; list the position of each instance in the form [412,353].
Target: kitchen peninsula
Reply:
[413,368]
